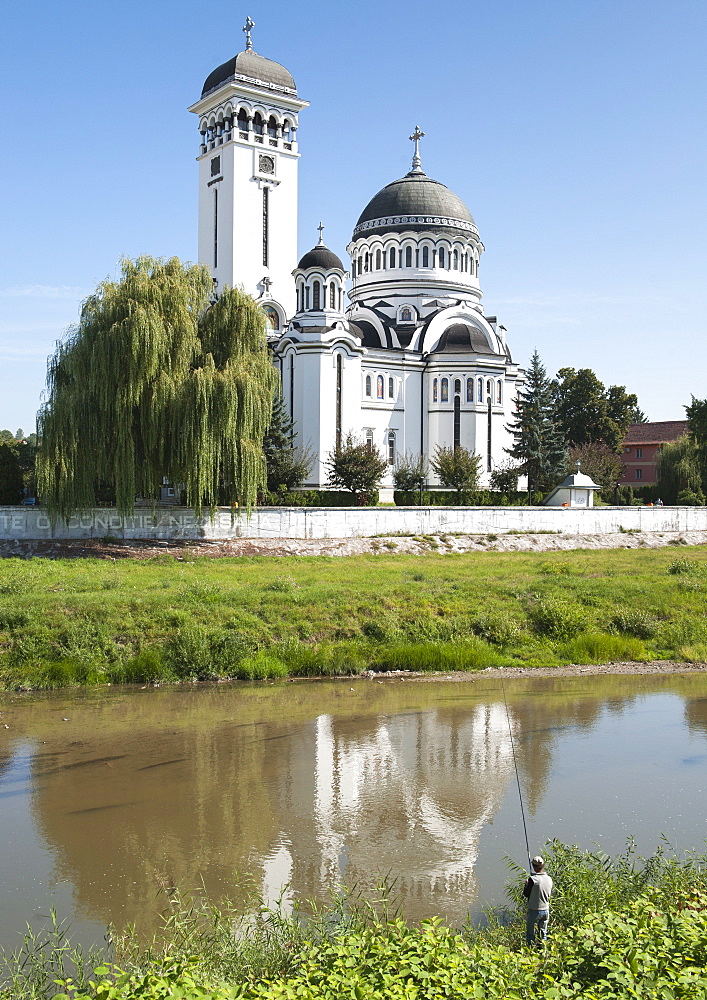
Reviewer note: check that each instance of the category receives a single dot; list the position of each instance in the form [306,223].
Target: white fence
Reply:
[31,523]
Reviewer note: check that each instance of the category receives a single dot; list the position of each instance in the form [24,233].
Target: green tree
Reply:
[410,472]
[638,416]
[356,467]
[679,468]
[287,465]
[697,428]
[504,477]
[154,381]
[457,468]
[587,411]
[539,445]
[599,462]
[11,483]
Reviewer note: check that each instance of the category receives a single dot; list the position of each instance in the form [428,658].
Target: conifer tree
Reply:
[156,381]
[287,465]
[539,445]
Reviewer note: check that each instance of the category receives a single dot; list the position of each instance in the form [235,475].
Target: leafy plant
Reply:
[356,467]
[456,468]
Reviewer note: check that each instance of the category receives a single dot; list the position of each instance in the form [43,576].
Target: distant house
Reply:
[642,446]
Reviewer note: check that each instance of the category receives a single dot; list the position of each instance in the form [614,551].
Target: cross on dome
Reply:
[249,25]
[321,229]
[416,161]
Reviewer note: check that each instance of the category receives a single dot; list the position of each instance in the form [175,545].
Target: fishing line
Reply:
[515,765]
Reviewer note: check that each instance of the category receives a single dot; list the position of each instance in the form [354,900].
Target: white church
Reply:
[403,355]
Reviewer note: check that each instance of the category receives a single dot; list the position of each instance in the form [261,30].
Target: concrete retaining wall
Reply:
[30,523]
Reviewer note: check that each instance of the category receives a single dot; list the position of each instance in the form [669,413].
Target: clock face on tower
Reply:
[266,165]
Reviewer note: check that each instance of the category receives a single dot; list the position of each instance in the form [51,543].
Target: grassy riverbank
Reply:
[623,927]
[88,621]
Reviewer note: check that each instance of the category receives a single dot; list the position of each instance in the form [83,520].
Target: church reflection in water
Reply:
[202,789]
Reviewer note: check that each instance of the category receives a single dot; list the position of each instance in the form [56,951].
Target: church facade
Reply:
[395,349]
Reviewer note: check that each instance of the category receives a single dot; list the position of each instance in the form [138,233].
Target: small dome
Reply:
[461,338]
[415,202]
[255,67]
[322,257]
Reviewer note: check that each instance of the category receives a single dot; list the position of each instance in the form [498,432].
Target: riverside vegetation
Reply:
[65,622]
[621,927]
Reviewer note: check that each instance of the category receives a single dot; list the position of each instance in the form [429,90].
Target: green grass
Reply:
[65,622]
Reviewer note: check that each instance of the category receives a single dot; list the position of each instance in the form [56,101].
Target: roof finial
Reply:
[321,229]
[249,25]
[579,466]
[416,161]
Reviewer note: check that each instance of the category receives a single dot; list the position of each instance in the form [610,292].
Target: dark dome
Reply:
[320,256]
[253,66]
[462,339]
[415,202]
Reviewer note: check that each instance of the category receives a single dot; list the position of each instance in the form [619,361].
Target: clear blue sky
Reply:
[575,132]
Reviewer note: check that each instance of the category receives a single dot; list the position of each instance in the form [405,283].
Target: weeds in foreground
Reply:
[624,926]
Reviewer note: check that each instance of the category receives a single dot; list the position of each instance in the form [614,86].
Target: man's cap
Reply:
[537,860]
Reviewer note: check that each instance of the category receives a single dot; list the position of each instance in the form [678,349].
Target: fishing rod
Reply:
[515,765]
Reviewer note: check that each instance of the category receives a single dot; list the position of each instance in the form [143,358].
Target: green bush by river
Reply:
[77,621]
[620,928]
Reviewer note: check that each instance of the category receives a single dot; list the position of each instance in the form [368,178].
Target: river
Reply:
[108,796]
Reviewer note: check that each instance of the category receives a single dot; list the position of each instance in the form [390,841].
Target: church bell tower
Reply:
[248,163]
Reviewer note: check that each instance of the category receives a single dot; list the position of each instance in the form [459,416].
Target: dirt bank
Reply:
[540,542]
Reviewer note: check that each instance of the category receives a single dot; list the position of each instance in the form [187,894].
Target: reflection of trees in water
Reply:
[696,715]
[308,783]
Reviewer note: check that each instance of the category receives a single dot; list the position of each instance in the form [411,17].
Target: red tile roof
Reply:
[657,432]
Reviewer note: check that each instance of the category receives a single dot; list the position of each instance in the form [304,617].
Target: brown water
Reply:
[106,795]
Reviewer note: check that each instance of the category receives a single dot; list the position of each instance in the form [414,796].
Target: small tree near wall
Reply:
[456,468]
[355,467]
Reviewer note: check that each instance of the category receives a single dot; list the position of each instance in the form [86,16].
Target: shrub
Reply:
[598,647]
[147,666]
[456,468]
[498,627]
[410,472]
[261,667]
[684,565]
[691,498]
[558,619]
[635,622]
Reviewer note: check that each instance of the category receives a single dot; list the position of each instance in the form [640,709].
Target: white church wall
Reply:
[33,524]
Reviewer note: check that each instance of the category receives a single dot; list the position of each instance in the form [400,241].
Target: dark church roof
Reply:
[415,202]
[463,339]
[366,332]
[320,256]
[255,67]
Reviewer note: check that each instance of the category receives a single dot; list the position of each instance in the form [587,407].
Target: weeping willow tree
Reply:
[155,381]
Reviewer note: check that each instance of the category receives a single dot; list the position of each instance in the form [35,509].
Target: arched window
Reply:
[457,385]
[391,447]
[316,296]
[258,127]
[425,256]
[441,256]
[367,263]
[391,388]
[445,390]
[242,120]
[287,130]
[499,391]
[306,297]
[369,440]
[369,386]
[392,257]
[470,390]
[489,389]
[406,314]
[408,256]
[272,127]
[298,298]
[360,266]
[457,421]
[480,391]
[379,387]
[378,260]
[456,260]
[332,296]
[435,390]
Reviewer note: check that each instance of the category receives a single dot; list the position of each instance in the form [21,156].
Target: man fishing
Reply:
[537,891]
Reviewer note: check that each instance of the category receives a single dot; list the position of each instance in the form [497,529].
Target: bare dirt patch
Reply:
[404,544]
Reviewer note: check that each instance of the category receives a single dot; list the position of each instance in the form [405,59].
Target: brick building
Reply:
[642,446]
